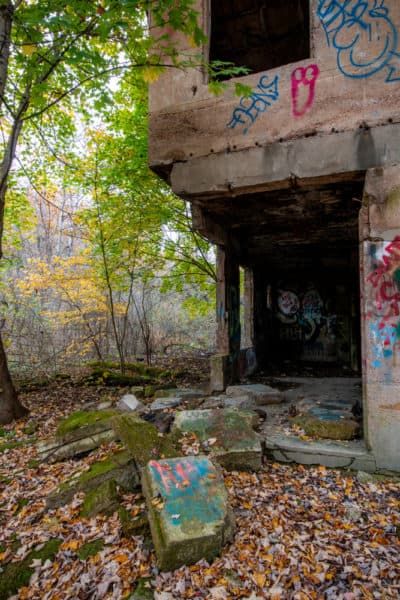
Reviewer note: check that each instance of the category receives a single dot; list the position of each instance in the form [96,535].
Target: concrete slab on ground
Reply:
[190,517]
[260,393]
[227,434]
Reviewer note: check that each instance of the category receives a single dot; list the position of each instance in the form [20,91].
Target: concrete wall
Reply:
[352,79]
[380,308]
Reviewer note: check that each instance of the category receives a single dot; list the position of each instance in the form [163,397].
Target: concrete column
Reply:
[248,300]
[225,365]
[380,313]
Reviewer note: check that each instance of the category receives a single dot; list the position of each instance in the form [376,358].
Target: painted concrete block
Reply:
[228,435]
[190,517]
[165,403]
[262,394]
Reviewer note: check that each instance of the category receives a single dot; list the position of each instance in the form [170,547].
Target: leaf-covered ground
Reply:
[301,532]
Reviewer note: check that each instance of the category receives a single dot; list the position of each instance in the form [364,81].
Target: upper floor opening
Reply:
[260,34]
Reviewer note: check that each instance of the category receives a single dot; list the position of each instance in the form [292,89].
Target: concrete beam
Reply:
[300,162]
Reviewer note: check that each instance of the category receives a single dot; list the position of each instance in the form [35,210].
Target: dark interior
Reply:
[260,34]
[302,246]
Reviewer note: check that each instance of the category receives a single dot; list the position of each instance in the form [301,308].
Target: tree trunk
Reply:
[10,406]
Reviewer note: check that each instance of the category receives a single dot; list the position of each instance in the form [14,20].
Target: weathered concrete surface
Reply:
[350,455]
[129,402]
[80,432]
[142,439]
[190,518]
[380,270]
[228,435]
[165,403]
[261,394]
[183,393]
[119,467]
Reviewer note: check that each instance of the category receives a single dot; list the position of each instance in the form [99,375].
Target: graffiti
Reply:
[288,304]
[383,302]
[363,35]
[304,78]
[187,484]
[234,322]
[250,108]
[306,320]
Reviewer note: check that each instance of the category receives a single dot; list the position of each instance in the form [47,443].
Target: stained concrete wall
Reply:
[380,305]
[352,79]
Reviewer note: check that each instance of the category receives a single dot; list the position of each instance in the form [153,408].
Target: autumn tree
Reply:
[59,54]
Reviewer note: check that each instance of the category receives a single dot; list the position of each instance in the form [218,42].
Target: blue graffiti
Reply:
[249,109]
[384,339]
[364,36]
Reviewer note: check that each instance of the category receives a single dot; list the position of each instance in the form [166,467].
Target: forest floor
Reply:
[301,532]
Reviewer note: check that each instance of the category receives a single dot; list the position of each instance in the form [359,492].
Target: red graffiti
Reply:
[307,77]
[386,303]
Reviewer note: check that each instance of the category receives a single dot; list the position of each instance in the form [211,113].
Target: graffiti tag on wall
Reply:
[304,79]
[249,109]
[306,311]
[363,35]
[383,302]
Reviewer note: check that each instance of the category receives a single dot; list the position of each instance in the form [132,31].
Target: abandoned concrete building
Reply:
[298,185]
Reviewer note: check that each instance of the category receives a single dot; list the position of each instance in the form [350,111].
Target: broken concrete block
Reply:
[103,499]
[183,393]
[165,403]
[82,424]
[214,402]
[142,439]
[118,466]
[240,402]
[333,428]
[261,394]
[227,434]
[79,433]
[56,450]
[130,403]
[189,514]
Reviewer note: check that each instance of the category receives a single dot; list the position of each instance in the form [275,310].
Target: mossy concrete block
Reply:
[261,394]
[332,428]
[104,499]
[190,517]
[82,424]
[17,574]
[119,466]
[228,435]
[142,439]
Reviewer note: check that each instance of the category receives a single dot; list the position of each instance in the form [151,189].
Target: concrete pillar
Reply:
[225,365]
[248,301]
[380,314]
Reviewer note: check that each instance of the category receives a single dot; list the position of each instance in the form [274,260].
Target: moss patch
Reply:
[12,445]
[82,418]
[90,549]
[143,440]
[343,429]
[143,590]
[103,499]
[17,575]
[119,466]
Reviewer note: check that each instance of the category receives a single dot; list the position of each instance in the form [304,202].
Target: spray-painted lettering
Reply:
[249,109]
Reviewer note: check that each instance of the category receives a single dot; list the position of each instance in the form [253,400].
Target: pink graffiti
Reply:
[304,77]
